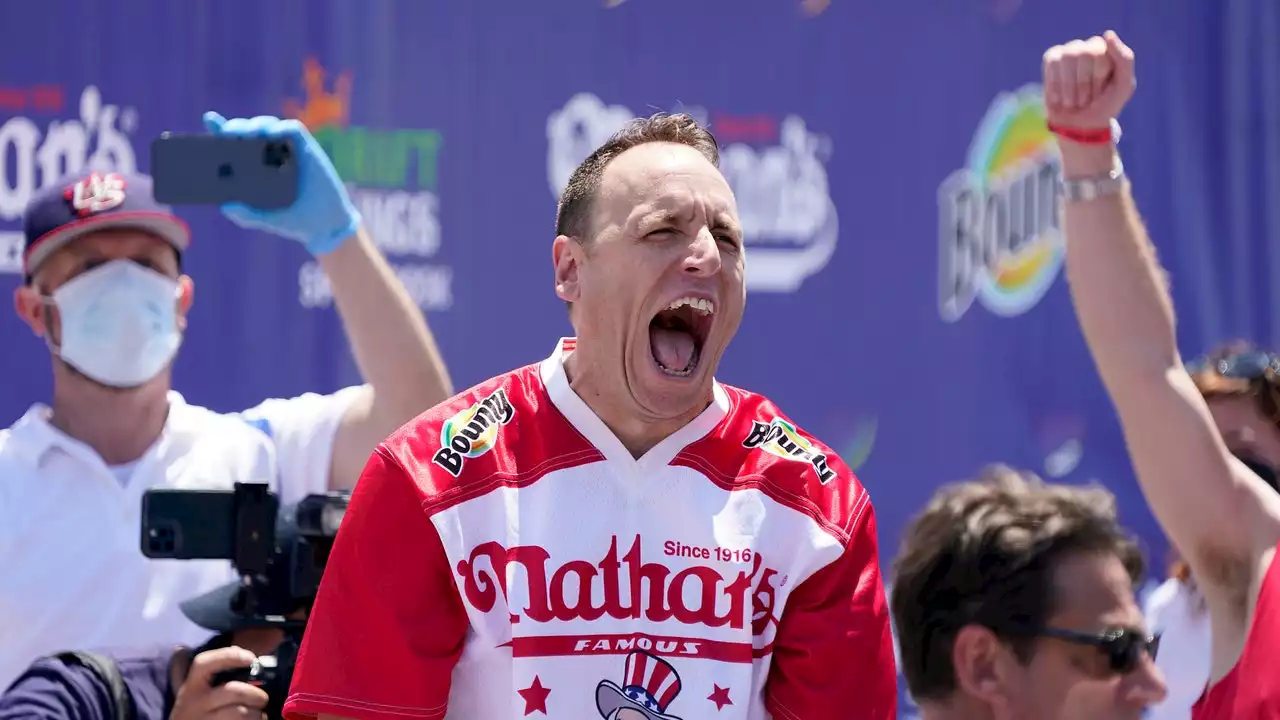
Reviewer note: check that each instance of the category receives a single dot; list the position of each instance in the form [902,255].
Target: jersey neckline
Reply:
[585,421]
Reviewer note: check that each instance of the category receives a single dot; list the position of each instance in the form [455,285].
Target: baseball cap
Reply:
[90,202]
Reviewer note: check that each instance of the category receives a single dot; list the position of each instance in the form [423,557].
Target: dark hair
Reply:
[574,210]
[984,552]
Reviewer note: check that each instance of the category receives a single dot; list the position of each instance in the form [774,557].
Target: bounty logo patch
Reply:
[780,438]
[472,432]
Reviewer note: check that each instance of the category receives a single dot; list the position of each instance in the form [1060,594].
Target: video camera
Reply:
[279,556]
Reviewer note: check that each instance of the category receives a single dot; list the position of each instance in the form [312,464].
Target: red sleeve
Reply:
[388,623]
[833,655]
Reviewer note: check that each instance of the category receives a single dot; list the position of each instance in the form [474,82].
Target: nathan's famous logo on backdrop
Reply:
[779,437]
[472,432]
[777,169]
[392,176]
[1000,239]
[42,140]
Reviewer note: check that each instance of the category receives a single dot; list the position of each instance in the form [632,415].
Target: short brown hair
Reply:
[574,210]
[984,552]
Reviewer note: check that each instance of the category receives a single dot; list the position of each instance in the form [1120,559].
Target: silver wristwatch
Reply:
[1092,188]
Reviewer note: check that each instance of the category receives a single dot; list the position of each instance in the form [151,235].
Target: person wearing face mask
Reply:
[510,550]
[104,290]
[1241,386]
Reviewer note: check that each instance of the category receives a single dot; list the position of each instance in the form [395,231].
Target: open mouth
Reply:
[676,335]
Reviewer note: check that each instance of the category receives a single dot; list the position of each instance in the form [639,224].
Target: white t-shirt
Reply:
[72,573]
[505,556]
[1177,612]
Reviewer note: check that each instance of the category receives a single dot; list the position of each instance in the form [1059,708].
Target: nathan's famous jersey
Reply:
[504,556]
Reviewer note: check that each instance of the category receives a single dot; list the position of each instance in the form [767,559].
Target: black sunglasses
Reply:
[1123,647]
[1247,365]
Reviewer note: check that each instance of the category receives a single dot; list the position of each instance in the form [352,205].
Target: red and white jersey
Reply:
[504,556]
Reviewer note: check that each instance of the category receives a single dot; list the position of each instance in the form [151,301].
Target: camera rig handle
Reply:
[255,508]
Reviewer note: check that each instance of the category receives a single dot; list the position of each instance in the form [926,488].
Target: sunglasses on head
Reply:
[1251,366]
[1123,647]
[1245,365]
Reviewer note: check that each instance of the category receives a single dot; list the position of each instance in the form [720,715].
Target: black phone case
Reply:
[187,524]
[216,169]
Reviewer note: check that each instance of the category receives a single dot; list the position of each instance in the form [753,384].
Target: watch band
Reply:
[1085,189]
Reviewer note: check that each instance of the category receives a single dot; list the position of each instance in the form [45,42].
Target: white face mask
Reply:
[119,323]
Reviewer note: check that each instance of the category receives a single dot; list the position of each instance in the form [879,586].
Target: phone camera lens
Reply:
[276,154]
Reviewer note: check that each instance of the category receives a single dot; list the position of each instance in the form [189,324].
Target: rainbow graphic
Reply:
[1001,224]
[454,426]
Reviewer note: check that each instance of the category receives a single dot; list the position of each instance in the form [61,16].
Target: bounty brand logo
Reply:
[1000,238]
[33,157]
[777,170]
[779,437]
[392,174]
[472,432]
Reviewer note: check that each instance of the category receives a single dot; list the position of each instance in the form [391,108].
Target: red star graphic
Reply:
[535,697]
[720,696]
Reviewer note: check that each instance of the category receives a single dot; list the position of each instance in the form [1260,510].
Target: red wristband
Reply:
[1084,136]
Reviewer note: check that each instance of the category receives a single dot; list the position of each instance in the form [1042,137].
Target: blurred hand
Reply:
[1088,82]
[197,699]
[323,215]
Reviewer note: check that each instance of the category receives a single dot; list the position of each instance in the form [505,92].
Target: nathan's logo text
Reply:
[623,586]
[776,166]
[472,432]
[780,438]
[95,137]
[1000,239]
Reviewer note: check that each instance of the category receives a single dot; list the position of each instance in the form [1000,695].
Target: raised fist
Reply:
[1088,82]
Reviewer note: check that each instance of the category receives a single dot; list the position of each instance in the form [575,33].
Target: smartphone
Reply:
[209,524]
[203,169]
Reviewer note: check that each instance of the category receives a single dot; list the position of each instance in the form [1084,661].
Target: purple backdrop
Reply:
[890,160]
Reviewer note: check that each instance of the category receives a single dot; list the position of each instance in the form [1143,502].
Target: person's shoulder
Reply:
[279,416]
[57,689]
[1171,599]
[10,454]
[230,428]
[503,431]
[758,445]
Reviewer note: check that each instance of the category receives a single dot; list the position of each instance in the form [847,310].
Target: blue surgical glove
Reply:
[323,215]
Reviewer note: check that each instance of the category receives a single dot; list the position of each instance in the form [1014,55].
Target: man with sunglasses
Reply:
[1218,512]
[1015,599]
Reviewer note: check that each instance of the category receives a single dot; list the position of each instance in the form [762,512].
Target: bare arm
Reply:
[394,349]
[1218,513]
